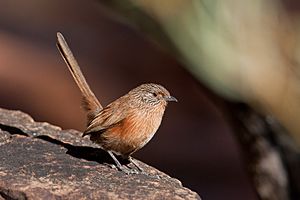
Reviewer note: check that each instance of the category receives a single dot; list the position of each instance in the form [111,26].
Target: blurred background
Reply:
[202,51]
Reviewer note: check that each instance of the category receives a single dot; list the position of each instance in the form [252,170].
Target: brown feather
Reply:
[89,101]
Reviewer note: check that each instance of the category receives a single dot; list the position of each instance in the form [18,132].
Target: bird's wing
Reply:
[108,117]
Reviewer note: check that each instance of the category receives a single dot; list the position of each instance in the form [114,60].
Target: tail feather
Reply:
[89,101]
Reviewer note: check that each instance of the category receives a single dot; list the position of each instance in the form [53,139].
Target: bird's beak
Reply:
[170,98]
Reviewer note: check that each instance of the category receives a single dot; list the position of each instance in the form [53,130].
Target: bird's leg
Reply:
[118,164]
[141,169]
[135,164]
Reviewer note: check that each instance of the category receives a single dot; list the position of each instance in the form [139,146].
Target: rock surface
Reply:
[41,161]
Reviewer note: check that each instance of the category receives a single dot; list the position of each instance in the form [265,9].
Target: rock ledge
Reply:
[41,161]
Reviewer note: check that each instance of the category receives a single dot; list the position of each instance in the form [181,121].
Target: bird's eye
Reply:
[154,94]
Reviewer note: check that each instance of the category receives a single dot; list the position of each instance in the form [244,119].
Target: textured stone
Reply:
[41,161]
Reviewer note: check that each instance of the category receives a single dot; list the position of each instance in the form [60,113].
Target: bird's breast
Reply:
[133,132]
[141,127]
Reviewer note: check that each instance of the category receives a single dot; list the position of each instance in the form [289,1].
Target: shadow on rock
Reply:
[83,152]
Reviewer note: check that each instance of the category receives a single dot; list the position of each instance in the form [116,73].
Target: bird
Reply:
[125,125]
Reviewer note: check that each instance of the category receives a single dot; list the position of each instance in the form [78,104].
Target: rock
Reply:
[42,161]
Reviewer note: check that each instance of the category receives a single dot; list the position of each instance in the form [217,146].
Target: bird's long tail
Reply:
[89,101]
